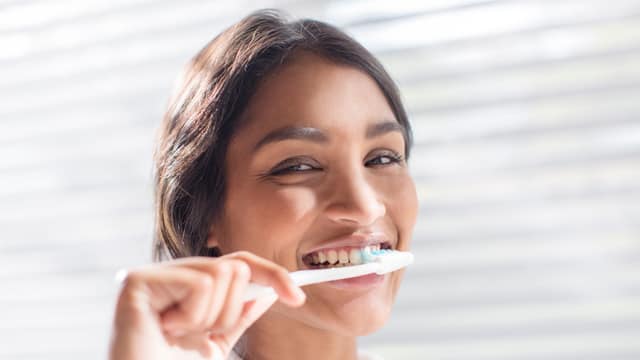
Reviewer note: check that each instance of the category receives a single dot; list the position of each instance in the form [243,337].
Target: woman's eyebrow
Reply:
[382,128]
[292,132]
[316,135]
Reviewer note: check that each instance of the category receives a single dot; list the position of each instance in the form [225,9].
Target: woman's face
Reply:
[319,165]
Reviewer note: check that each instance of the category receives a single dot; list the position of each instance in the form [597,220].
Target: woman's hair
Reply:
[204,111]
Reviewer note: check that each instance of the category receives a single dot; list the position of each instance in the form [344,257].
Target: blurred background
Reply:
[527,159]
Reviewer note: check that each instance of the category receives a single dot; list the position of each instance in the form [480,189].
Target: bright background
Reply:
[527,159]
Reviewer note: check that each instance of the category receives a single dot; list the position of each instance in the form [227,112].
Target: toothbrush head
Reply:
[389,260]
[368,255]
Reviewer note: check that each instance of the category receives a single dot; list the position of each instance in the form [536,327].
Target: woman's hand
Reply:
[191,308]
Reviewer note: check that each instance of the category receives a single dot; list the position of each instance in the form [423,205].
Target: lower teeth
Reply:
[327,263]
[332,265]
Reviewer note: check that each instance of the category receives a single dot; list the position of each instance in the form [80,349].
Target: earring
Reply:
[214,252]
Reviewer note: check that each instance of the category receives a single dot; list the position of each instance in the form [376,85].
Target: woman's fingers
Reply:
[268,273]
[223,272]
[195,303]
[206,294]
[191,312]
[251,311]
[234,300]
[158,287]
[233,273]
[262,271]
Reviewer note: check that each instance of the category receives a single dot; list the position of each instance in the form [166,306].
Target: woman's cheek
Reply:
[294,204]
[410,197]
[282,215]
[403,209]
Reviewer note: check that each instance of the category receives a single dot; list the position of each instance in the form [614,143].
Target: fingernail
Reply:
[176,332]
[271,298]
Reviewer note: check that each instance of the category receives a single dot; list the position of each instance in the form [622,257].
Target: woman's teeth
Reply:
[342,257]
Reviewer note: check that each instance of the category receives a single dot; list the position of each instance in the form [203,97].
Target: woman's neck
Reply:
[277,337]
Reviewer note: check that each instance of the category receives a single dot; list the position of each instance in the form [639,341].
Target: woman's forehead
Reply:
[312,92]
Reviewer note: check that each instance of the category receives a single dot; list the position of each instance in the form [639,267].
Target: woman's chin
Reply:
[361,315]
[352,308]
[364,324]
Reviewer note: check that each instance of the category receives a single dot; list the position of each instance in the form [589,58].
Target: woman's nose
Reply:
[354,200]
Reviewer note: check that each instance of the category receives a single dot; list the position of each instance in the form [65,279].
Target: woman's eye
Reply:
[385,159]
[298,167]
[381,160]
[292,168]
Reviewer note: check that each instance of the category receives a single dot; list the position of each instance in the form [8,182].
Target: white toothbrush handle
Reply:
[308,277]
[255,291]
[386,262]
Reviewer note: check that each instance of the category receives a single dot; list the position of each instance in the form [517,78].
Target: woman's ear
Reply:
[213,238]
[213,241]
[215,233]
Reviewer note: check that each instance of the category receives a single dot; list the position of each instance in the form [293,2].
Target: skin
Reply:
[349,184]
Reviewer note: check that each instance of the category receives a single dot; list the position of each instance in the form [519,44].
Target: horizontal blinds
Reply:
[526,160]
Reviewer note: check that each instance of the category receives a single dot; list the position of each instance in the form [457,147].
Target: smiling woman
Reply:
[284,148]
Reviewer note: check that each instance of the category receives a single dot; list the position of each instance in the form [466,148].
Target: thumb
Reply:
[251,311]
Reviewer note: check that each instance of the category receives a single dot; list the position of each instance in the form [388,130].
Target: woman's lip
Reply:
[357,283]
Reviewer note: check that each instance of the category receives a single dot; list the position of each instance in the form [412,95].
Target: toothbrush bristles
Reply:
[371,255]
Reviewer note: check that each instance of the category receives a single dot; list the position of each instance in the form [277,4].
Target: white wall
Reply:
[527,160]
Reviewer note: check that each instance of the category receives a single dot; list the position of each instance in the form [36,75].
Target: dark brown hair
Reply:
[203,113]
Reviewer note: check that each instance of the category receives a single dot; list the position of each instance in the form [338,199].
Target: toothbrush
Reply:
[374,261]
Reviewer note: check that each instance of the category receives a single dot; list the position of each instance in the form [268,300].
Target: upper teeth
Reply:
[344,256]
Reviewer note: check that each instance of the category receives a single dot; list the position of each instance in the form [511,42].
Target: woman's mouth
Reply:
[340,256]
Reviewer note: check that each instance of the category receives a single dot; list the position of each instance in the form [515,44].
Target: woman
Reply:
[285,142]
